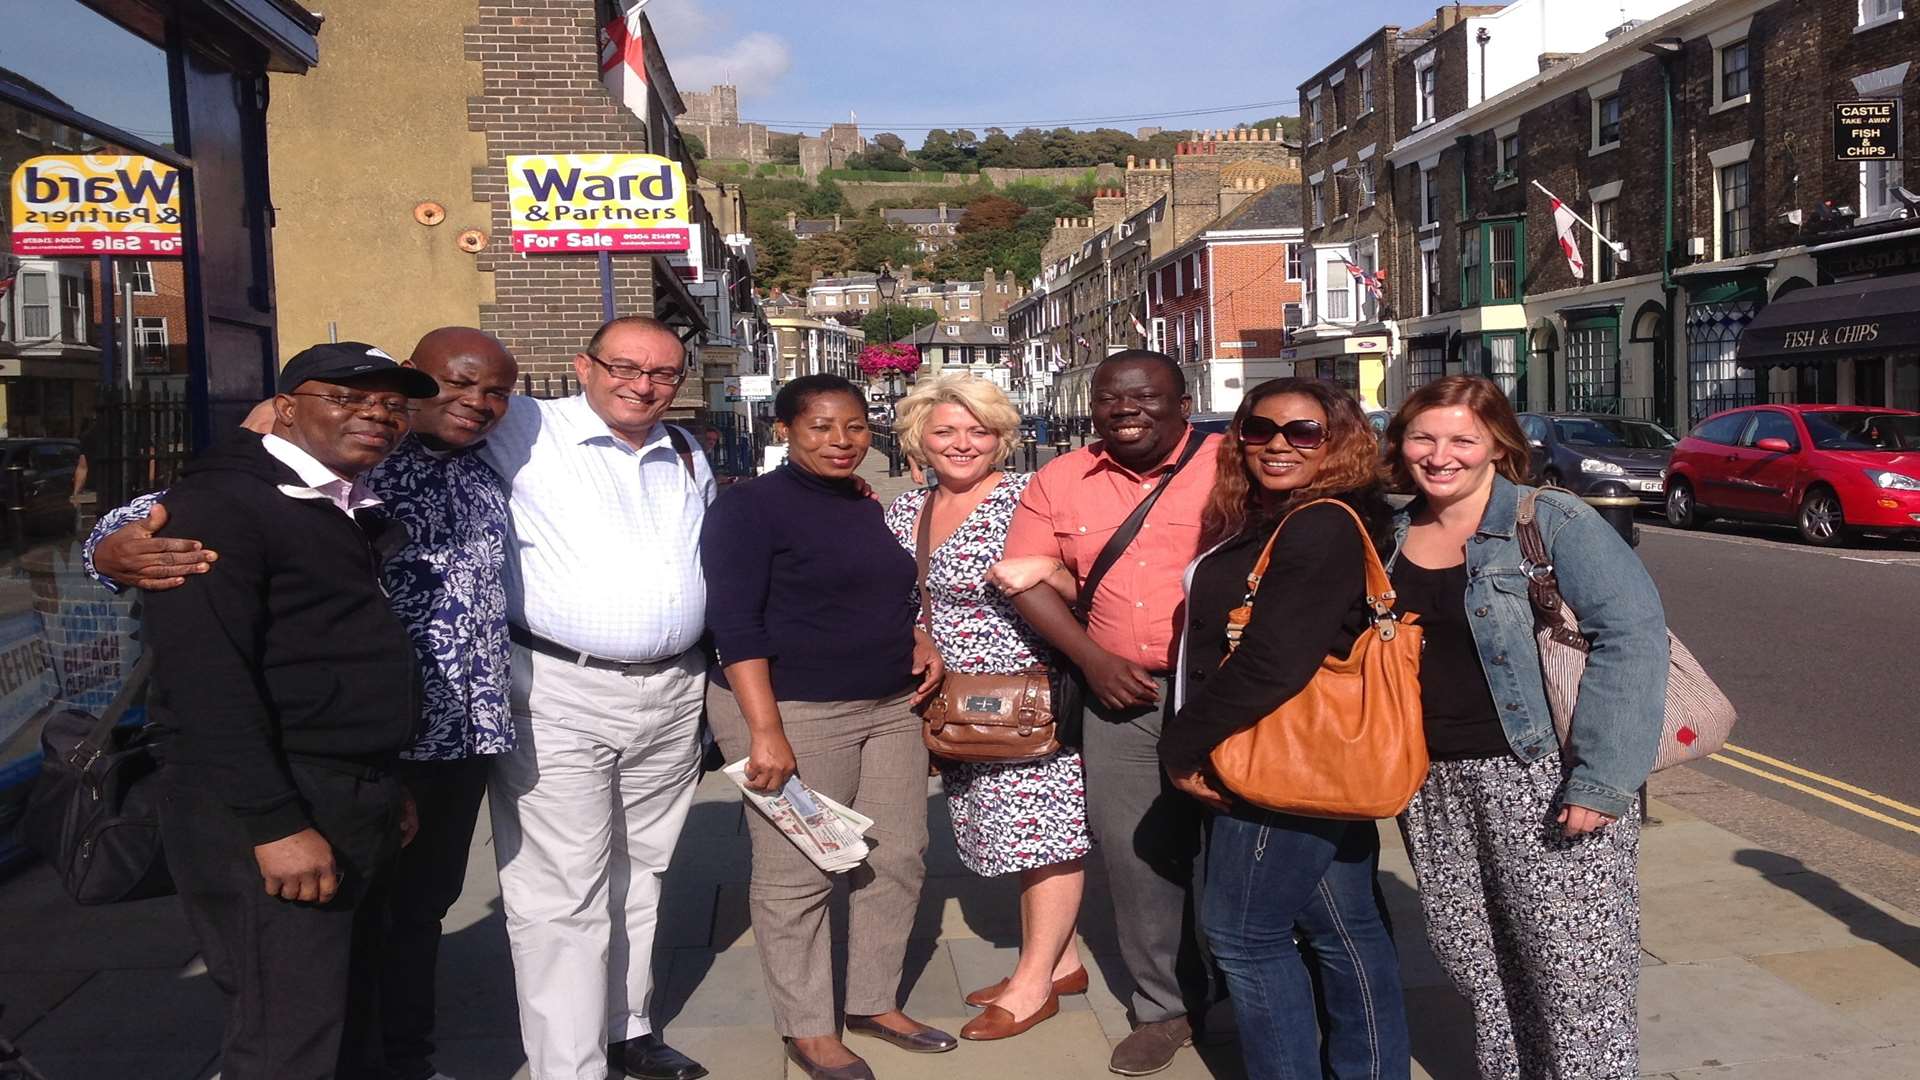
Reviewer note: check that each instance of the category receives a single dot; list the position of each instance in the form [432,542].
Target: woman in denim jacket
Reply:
[1524,849]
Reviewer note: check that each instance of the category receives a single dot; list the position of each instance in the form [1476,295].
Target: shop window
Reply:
[1714,381]
[1593,365]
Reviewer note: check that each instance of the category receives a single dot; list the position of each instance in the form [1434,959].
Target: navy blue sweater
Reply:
[803,572]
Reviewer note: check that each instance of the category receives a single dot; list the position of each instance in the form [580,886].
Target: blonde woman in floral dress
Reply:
[1025,818]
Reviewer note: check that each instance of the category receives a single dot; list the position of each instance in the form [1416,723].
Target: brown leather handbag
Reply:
[1351,744]
[996,719]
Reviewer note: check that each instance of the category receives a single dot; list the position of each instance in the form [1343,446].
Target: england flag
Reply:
[623,54]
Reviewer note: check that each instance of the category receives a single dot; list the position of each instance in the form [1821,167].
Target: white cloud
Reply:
[754,63]
[701,51]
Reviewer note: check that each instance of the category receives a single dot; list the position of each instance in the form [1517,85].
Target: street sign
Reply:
[95,204]
[570,204]
[1866,131]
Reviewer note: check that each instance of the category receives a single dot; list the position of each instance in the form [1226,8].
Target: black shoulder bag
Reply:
[1069,684]
[93,813]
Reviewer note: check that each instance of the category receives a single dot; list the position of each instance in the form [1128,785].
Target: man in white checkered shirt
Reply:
[607,604]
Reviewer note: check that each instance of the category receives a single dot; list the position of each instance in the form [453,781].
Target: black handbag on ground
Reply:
[1069,684]
[93,813]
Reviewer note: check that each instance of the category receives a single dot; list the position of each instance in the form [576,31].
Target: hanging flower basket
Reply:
[877,360]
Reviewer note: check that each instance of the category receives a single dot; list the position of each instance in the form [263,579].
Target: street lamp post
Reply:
[888,285]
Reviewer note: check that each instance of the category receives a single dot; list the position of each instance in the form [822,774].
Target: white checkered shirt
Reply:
[606,538]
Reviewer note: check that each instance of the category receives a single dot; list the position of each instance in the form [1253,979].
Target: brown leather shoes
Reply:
[922,1040]
[1151,1047]
[1075,983]
[998,1023]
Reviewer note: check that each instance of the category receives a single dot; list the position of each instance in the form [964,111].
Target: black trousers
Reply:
[301,980]
[426,880]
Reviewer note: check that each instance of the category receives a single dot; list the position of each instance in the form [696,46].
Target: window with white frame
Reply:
[1293,317]
[150,336]
[1430,196]
[74,322]
[139,274]
[1426,92]
[1736,80]
[1876,12]
[1338,290]
[1366,255]
[1319,193]
[966,304]
[1295,271]
[1364,73]
[1430,280]
[1732,200]
[36,306]
[999,331]
[1879,185]
[1606,118]
[1509,155]
[1606,222]
[1313,117]
[1363,179]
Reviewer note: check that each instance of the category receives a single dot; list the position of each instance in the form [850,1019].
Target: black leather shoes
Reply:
[923,1040]
[858,1070]
[648,1058]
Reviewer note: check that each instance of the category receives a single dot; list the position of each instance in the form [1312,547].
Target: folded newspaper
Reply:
[823,830]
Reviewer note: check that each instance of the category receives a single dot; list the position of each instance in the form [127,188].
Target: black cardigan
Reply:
[287,646]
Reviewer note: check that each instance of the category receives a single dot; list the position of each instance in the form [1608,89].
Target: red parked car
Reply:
[1831,470]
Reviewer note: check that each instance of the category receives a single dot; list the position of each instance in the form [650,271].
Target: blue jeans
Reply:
[1272,878]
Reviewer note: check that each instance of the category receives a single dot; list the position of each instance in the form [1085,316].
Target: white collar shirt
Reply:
[606,537]
[320,482]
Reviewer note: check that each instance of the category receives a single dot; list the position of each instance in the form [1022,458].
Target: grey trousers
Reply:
[866,755]
[1149,836]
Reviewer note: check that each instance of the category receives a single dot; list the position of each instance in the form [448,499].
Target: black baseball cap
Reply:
[346,361]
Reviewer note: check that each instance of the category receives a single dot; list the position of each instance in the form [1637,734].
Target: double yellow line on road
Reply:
[1739,757]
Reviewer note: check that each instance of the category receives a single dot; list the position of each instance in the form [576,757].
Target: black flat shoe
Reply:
[648,1058]
[858,1070]
[925,1040]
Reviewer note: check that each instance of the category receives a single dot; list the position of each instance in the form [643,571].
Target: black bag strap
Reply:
[685,449]
[923,542]
[1130,528]
[96,741]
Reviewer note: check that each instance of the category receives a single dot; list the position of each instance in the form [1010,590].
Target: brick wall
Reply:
[1374,128]
[1249,292]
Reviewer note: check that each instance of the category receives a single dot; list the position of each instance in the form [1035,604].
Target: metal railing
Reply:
[140,442]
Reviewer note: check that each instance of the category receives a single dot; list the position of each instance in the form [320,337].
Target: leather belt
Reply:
[528,639]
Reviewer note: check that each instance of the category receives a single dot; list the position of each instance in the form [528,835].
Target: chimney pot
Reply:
[1129,161]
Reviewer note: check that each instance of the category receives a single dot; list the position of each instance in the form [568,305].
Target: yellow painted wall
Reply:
[378,128]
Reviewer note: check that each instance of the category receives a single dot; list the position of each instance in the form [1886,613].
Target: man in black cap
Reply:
[284,687]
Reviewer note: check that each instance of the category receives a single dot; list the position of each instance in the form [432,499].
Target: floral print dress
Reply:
[1005,817]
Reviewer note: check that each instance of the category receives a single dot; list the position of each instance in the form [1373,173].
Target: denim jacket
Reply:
[1616,723]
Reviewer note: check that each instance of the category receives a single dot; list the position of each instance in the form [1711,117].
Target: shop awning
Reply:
[1820,325]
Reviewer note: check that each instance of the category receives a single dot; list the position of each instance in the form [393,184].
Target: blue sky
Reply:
[974,62]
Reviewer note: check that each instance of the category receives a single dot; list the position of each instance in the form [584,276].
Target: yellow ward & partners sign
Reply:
[572,203]
[95,204]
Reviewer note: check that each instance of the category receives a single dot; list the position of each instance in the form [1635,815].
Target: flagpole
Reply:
[1619,249]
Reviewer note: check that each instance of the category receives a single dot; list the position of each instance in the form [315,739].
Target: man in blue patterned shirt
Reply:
[447,586]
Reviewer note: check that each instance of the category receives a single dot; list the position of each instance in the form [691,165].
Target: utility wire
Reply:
[1043,124]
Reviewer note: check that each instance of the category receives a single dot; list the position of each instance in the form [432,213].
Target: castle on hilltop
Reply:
[714,118]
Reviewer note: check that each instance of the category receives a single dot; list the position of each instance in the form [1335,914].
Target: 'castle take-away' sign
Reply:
[1866,131]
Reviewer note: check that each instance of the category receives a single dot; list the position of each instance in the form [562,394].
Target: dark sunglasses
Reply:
[1300,434]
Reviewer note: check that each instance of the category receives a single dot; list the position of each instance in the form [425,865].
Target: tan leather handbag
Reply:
[1351,744]
[992,718]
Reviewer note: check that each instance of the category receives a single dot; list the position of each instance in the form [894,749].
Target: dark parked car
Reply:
[1599,454]
[1831,470]
[36,487]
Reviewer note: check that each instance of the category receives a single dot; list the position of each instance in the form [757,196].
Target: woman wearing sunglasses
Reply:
[1272,876]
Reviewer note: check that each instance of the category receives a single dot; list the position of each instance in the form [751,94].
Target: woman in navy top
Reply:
[820,666]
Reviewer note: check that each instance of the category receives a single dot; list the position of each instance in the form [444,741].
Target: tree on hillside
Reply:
[878,244]
[943,152]
[828,253]
[696,146]
[902,319]
[990,213]
[824,200]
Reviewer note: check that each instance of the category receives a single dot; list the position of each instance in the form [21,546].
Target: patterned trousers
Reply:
[1540,934]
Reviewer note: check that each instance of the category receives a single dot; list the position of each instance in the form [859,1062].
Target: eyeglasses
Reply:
[1300,434]
[362,404]
[631,373]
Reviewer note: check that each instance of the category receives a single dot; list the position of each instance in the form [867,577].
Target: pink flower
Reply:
[877,360]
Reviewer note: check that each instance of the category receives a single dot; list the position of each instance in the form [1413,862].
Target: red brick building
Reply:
[1224,302]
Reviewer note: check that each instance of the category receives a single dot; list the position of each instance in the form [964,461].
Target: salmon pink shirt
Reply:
[1073,507]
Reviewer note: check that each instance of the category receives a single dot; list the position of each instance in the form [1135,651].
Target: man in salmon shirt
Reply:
[1149,834]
